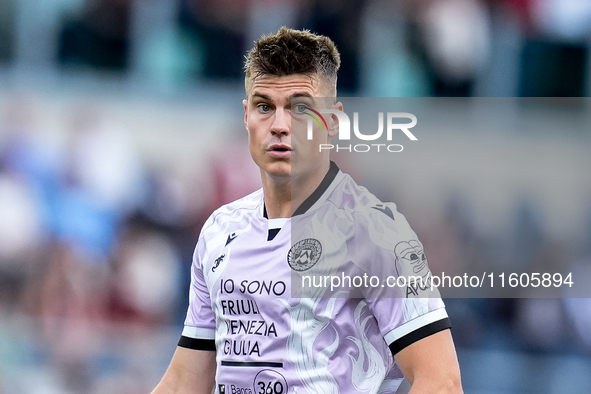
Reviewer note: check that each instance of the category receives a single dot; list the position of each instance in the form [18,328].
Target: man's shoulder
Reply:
[352,197]
[363,207]
[236,210]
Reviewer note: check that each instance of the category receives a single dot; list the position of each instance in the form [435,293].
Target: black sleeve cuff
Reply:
[197,344]
[419,334]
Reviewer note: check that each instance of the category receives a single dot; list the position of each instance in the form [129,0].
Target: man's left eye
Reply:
[300,108]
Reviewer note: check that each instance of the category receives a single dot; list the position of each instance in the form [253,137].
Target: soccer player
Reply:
[245,332]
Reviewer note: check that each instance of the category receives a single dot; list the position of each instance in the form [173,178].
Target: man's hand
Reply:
[431,365]
[189,372]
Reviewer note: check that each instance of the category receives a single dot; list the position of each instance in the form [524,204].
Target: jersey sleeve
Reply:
[199,329]
[406,309]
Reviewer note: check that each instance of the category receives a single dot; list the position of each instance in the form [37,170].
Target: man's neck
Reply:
[277,198]
[282,199]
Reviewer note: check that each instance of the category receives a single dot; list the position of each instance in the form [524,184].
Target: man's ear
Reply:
[333,125]
[245,105]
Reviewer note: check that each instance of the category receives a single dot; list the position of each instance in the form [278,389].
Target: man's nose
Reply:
[282,122]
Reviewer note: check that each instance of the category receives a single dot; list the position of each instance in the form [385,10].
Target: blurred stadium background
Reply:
[121,130]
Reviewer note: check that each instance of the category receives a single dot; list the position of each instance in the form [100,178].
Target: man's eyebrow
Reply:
[301,95]
[267,98]
[261,95]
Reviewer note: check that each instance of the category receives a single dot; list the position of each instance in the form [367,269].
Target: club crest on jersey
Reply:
[304,254]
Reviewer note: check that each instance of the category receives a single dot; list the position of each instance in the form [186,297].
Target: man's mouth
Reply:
[279,150]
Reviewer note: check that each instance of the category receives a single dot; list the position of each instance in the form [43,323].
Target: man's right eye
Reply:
[264,107]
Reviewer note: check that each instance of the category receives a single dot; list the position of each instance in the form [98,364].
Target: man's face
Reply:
[274,107]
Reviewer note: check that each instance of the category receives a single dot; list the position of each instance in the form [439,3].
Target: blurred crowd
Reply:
[93,238]
[96,241]
[390,47]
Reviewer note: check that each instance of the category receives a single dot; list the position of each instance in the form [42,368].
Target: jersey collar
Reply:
[316,194]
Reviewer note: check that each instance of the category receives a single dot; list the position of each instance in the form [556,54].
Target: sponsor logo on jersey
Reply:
[304,254]
[221,388]
[270,381]
[217,262]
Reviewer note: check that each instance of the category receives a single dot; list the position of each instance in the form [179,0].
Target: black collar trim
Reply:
[316,194]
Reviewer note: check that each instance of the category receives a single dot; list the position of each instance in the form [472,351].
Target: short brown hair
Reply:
[290,51]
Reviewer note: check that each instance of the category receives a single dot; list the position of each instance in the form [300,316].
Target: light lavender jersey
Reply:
[267,341]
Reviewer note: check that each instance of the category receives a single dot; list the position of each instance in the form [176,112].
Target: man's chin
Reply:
[279,172]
